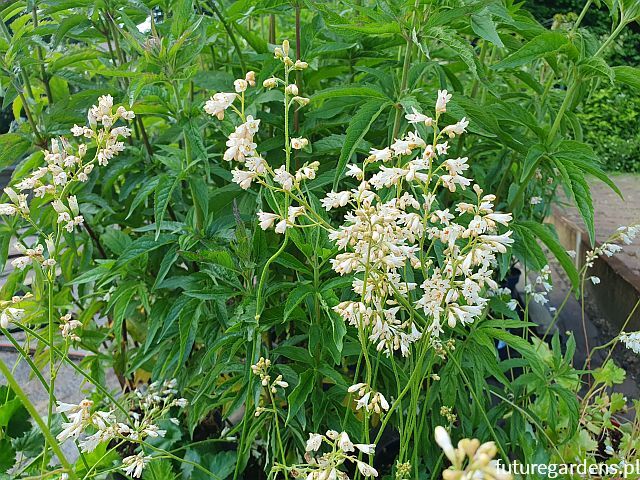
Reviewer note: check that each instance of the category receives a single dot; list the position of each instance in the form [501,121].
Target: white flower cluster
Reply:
[470,460]
[539,290]
[631,341]
[385,232]
[241,147]
[326,466]
[261,369]
[68,326]
[10,312]
[370,400]
[151,404]
[625,234]
[66,164]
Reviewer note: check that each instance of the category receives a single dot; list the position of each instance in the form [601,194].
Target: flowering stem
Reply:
[24,399]
[94,382]
[36,371]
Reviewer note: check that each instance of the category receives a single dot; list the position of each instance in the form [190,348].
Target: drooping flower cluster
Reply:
[66,164]
[261,369]
[631,341]
[10,311]
[241,147]
[470,460]
[625,234]
[539,290]
[149,405]
[68,327]
[327,465]
[370,400]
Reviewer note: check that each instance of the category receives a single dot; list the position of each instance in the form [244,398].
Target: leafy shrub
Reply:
[610,119]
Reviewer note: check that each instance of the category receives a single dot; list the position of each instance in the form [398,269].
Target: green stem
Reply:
[24,399]
[226,26]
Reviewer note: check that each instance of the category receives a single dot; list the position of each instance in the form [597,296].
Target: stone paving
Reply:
[610,212]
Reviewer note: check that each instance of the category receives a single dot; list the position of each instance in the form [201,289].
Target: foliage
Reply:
[166,272]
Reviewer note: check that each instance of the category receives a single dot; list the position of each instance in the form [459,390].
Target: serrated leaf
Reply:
[294,299]
[300,393]
[628,75]
[145,190]
[542,233]
[141,246]
[12,147]
[541,45]
[161,199]
[483,25]
[596,67]
[357,129]
[369,91]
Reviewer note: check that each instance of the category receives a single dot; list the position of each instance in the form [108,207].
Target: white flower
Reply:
[344,443]
[314,442]
[134,464]
[291,89]
[335,199]
[267,219]
[7,209]
[270,83]
[10,314]
[284,178]
[368,449]
[512,304]
[535,200]
[240,85]
[456,129]
[366,469]
[443,99]
[417,117]
[299,143]
[631,341]
[217,104]
[383,155]
[594,280]
[444,442]
[243,178]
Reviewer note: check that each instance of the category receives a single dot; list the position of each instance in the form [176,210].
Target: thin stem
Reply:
[226,26]
[24,399]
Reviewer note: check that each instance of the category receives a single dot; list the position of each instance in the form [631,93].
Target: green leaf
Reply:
[484,27]
[141,246]
[300,393]
[544,234]
[357,129]
[609,374]
[145,190]
[188,325]
[596,67]
[295,298]
[531,160]
[628,75]
[543,44]
[369,91]
[12,147]
[67,24]
[161,199]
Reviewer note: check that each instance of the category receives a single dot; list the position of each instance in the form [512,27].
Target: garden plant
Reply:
[283,238]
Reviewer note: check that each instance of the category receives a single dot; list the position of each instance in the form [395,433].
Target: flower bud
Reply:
[270,83]
[302,101]
[291,89]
